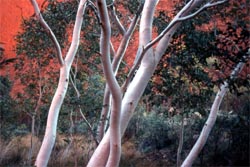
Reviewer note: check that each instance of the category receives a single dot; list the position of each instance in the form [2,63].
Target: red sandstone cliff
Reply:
[11,13]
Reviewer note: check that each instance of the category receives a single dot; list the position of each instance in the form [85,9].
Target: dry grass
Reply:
[68,151]
[71,151]
[129,151]
[2,145]
[132,157]
[17,150]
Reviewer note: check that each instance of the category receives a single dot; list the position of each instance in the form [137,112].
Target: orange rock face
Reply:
[11,14]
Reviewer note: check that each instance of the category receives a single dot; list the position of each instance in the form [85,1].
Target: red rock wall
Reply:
[11,13]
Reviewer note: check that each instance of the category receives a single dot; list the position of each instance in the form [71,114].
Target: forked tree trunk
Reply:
[147,67]
[51,126]
[141,78]
[115,140]
[118,56]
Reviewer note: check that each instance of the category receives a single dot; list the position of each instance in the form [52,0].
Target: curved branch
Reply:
[179,18]
[49,31]
[182,18]
[116,20]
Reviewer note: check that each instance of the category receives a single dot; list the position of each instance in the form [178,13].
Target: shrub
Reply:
[151,131]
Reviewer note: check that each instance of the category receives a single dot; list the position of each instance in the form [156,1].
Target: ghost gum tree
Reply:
[65,66]
[120,101]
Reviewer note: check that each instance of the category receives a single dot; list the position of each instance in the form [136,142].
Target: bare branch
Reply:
[105,110]
[80,110]
[94,8]
[49,31]
[181,136]
[76,34]
[89,126]
[180,19]
[125,40]
[116,20]
[112,49]
[115,66]
[208,5]
[142,51]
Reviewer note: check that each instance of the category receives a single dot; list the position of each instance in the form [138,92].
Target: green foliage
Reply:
[11,123]
[184,67]
[6,103]
[90,102]
[227,145]
[34,41]
[156,133]
[5,87]
[184,76]
[152,131]
[132,5]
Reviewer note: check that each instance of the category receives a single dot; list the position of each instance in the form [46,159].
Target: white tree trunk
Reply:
[145,71]
[211,119]
[50,133]
[115,140]
[51,126]
[134,92]
[115,66]
[108,151]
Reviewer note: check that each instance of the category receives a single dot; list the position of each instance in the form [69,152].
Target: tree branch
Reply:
[116,19]
[80,110]
[49,31]
[142,51]
[125,40]
[213,115]
[115,141]
[180,19]
[89,126]
[115,66]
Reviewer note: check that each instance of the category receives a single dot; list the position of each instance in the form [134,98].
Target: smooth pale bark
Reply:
[50,133]
[115,66]
[101,154]
[211,118]
[104,113]
[51,126]
[116,20]
[163,38]
[108,152]
[181,138]
[148,63]
[115,140]
[48,30]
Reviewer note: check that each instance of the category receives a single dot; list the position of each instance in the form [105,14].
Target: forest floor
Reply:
[75,151]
